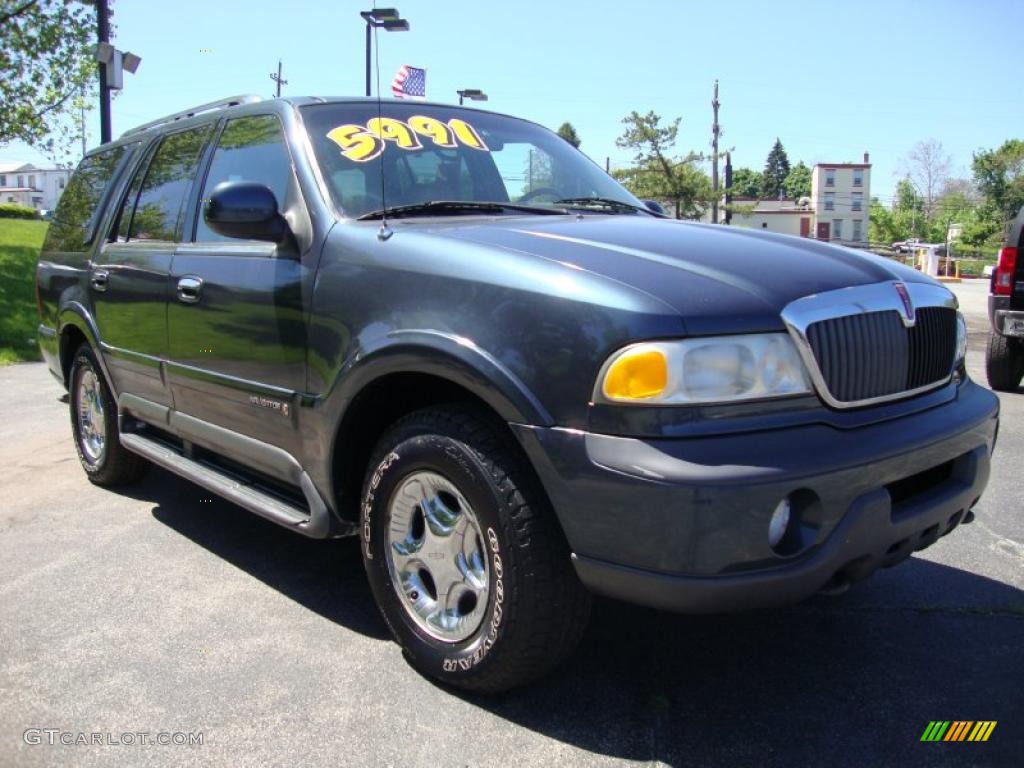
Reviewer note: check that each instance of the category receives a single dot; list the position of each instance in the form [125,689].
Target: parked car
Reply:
[1004,361]
[904,246]
[363,318]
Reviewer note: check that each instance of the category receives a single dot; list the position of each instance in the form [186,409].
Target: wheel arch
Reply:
[409,375]
[75,327]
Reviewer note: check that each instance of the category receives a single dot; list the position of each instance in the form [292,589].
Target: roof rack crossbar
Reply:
[232,101]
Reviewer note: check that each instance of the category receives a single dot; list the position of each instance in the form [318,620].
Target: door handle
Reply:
[99,280]
[189,289]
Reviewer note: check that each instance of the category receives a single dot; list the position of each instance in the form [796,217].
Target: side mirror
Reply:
[654,205]
[246,210]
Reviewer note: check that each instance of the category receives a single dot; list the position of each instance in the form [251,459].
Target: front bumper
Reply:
[682,524]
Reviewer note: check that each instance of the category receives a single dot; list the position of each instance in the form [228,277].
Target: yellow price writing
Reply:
[362,143]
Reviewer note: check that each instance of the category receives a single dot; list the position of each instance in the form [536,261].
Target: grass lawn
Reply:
[20,241]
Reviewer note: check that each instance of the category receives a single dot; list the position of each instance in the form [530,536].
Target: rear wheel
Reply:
[1004,362]
[463,554]
[94,425]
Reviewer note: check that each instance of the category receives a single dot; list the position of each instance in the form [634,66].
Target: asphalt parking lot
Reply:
[161,609]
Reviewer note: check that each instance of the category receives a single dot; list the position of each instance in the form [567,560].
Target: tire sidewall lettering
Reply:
[466,663]
[368,499]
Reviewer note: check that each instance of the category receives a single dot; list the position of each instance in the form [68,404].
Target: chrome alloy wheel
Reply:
[436,557]
[92,425]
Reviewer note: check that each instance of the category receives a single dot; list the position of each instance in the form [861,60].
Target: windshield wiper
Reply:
[455,207]
[605,203]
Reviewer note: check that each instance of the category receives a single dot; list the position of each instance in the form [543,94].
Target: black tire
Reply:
[1004,362]
[536,608]
[112,464]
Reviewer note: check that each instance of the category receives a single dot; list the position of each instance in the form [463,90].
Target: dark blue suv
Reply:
[449,333]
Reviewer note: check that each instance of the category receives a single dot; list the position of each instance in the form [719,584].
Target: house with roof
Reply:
[837,210]
[32,186]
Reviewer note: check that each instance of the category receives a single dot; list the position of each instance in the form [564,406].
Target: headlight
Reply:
[961,340]
[707,370]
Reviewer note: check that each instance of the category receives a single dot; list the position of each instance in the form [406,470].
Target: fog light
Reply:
[779,523]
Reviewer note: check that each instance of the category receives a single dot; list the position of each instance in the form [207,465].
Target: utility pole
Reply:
[277,79]
[103,33]
[715,132]
[728,187]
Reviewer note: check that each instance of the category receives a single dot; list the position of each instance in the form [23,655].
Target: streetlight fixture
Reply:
[387,19]
[473,94]
[115,62]
[112,63]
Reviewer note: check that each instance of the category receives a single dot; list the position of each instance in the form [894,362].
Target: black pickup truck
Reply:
[1004,362]
[449,333]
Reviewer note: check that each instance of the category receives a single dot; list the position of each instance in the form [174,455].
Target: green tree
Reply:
[657,172]
[567,132]
[45,62]
[776,169]
[899,222]
[647,182]
[798,182]
[999,174]
[746,183]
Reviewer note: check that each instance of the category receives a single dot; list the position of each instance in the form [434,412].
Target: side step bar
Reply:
[314,522]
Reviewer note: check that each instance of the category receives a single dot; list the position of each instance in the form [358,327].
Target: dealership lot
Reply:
[162,609]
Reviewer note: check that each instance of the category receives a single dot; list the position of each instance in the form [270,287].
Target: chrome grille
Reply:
[877,342]
[873,355]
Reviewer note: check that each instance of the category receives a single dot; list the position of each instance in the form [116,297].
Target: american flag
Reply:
[409,83]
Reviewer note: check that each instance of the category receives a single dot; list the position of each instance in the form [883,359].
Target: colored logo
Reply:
[958,730]
[908,305]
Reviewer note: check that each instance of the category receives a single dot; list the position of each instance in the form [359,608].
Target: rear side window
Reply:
[78,211]
[160,199]
[249,149]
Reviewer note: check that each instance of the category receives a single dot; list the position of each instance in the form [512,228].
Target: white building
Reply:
[841,199]
[29,185]
[787,217]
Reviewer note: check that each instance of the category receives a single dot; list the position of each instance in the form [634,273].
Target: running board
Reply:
[314,522]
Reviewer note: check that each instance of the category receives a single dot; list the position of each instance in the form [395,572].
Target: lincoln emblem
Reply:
[908,305]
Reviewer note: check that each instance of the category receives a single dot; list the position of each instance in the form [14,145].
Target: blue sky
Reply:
[831,79]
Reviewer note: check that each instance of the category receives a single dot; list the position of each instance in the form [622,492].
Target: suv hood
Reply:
[720,279]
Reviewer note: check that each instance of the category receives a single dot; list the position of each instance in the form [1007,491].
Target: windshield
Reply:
[432,153]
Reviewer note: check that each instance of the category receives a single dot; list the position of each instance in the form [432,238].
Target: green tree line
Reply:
[981,206]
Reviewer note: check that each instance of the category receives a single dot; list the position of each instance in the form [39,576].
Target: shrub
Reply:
[15,211]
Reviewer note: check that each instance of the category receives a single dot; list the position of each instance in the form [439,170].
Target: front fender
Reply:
[447,356]
[425,352]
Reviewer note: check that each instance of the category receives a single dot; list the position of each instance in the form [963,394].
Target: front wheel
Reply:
[1004,362]
[94,425]
[464,557]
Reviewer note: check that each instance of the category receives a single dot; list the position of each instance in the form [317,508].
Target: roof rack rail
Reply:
[232,101]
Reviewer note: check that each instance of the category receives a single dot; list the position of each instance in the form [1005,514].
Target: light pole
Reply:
[111,63]
[473,94]
[387,19]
